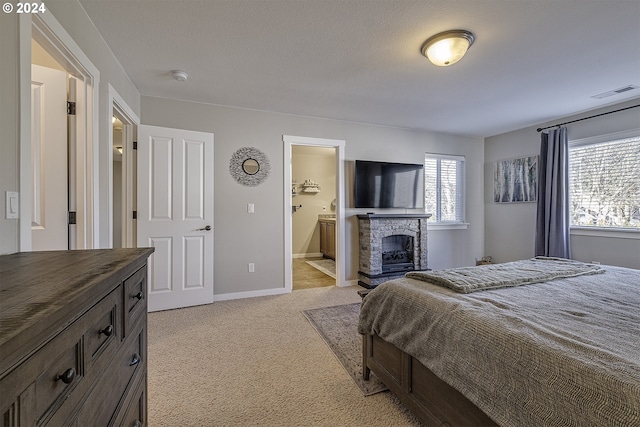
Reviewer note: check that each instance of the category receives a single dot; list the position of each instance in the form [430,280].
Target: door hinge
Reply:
[71,108]
[135,145]
[135,214]
[72,218]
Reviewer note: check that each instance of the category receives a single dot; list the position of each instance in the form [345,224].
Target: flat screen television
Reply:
[388,185]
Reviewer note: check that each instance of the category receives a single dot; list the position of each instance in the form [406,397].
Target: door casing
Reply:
[131,122]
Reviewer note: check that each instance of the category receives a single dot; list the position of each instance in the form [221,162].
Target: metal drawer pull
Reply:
[107,331]
[67,376]
[135,360]
[139,295]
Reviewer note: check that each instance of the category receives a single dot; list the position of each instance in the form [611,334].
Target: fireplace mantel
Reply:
[392,216]
[373,229]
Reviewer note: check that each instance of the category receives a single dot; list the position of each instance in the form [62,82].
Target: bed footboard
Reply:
[427,396]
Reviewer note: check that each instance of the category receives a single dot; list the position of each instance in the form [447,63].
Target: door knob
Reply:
[207,228]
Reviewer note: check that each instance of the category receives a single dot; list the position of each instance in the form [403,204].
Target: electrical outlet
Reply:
[252,267]
[251,208]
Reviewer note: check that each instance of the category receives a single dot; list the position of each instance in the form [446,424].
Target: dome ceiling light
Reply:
[448,47]
[180,76]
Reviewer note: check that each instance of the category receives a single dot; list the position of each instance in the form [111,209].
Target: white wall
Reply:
[319,165]
[510,228]
[259,237]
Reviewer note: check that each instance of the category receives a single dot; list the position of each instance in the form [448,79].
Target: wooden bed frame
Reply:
[432,400]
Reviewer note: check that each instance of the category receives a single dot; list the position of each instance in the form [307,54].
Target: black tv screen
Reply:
[388,185]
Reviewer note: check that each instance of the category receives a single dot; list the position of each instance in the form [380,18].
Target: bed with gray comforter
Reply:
[547,351]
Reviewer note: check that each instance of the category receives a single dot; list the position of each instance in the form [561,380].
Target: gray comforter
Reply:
[559,353]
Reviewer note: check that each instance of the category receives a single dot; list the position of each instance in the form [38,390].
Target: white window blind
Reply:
[604,180]
[444,187]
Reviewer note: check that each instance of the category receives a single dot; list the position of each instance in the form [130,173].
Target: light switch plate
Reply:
[12,204]
[251,208]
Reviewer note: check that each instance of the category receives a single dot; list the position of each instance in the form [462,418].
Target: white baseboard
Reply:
[250,294]
[311,255]
[349,283]
[267,292]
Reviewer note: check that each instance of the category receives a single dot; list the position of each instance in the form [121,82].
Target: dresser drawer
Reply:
[107,398]
[31,393]
[50,376]
[135,303]
[100,344]
[63,369]
[63,373]
[135,415]
[104,329]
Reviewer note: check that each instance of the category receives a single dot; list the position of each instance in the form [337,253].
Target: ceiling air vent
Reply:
[615,91]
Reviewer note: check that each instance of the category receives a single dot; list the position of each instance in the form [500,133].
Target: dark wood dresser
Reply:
[73,338]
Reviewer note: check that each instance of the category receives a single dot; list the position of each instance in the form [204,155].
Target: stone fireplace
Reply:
[391,245]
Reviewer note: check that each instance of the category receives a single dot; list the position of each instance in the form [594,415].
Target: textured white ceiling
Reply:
[359,60]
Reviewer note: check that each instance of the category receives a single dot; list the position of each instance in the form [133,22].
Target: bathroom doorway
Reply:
[319,193]
[313,230]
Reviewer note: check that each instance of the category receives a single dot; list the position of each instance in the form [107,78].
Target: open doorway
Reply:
[78,214]
[313,172]
[311,187]
[123,182]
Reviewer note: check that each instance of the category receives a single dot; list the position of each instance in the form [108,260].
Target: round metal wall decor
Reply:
[249,166]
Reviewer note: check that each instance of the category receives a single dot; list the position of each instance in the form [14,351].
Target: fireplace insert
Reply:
[397,253]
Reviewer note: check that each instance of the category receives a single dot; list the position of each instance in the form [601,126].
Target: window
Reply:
[444,187]
[604,181]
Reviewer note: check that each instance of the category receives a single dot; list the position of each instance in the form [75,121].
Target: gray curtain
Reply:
[552,223]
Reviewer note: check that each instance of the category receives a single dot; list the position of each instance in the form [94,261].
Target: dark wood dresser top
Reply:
[36,288]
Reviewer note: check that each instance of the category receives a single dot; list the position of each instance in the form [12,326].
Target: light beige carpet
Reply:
[257,362]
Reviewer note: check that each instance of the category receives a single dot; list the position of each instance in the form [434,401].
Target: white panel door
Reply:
[49,220]
[175,215]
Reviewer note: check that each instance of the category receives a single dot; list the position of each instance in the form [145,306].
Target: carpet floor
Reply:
[257,362]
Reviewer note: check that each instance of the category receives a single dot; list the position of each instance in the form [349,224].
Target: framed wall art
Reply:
[516,180]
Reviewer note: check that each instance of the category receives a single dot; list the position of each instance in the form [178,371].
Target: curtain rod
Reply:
[587,118]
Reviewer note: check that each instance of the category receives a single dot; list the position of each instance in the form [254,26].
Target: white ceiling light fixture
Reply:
[448,47]
[180,76]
